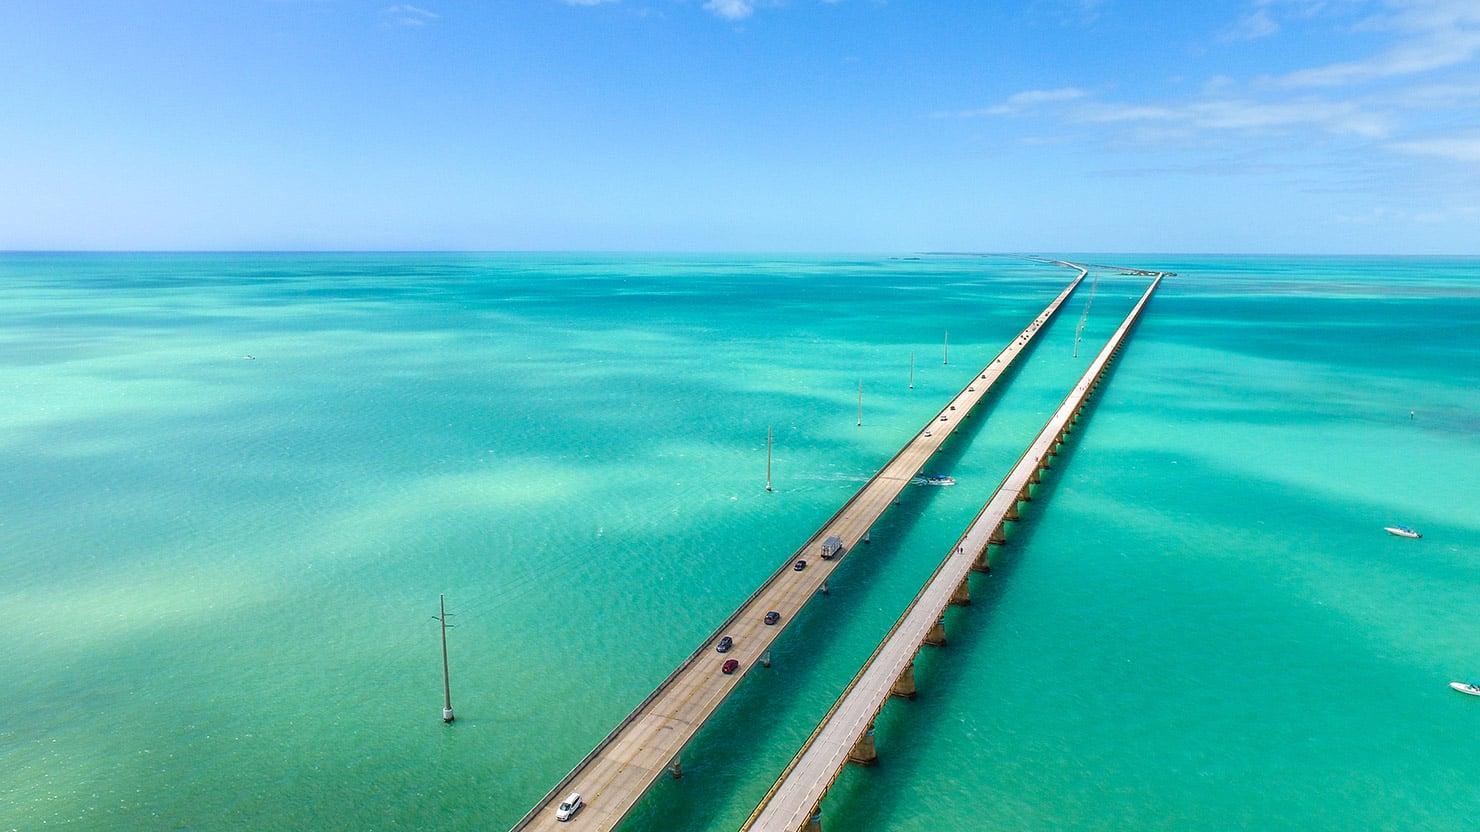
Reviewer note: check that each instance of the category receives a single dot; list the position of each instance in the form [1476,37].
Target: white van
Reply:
[568,807]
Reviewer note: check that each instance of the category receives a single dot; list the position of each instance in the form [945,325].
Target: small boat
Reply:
[1466,687]
[1402,531]
[249,358]
[933,479]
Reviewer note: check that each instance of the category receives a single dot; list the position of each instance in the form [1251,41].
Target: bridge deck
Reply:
[614,776]
[800,788]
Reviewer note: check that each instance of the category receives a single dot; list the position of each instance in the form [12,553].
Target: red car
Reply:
[730,666]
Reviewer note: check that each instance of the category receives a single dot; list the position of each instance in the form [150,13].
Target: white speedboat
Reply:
[933,479]
[1466,687]
[1402,531]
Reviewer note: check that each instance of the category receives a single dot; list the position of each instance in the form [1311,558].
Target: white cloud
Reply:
[1458,148]
[1432,35]
[1027,99]
[1257,24]
[731,9]
[1071,12]
[405,14]
[1341,118]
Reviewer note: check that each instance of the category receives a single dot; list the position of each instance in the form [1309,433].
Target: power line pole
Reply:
[948,347]
[768,458]
[446,675]
[912,370]
[860,402]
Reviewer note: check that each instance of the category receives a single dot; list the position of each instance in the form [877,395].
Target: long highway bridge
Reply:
[846,733]
[621,768]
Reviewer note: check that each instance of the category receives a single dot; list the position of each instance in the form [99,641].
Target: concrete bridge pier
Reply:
[937,635]
[982,562]
[962,596]
[814,821]
[864,753]
[998,536]
[676,767]
[904,686]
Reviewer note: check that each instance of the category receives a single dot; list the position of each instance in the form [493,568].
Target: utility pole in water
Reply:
[860,402]
[768,458]
[912,371]
[948,347]
[446,675]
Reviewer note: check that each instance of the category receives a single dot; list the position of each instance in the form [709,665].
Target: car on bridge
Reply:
[772,618]
[724,645]
[832,547]
[799,566]
[569,806]
[730,666]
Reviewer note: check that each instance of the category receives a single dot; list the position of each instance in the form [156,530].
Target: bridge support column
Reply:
[766,659]
[962,596]
[823,589]
[1026,495]
[1037,476]
[983,563]
[864,753]
[814,821]
[937,635]
[1012,512]
[998,536]
[866,533]
[904,686]
[676,767]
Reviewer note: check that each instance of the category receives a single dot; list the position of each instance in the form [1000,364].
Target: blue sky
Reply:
[764,125]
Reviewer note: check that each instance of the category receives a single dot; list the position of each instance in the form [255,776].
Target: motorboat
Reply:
[1466,687]
[933,479]
[1402,531]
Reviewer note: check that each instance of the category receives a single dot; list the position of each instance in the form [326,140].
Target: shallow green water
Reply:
[217,575]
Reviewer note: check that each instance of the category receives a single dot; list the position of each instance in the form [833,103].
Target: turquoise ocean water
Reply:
[217,575]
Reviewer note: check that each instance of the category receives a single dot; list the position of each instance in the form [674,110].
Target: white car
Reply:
[568,807]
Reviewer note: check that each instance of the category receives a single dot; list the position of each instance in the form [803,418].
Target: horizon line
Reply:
[720,252]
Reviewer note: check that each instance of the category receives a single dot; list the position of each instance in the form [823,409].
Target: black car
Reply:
[799,566]
[724,644]
[773,617]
